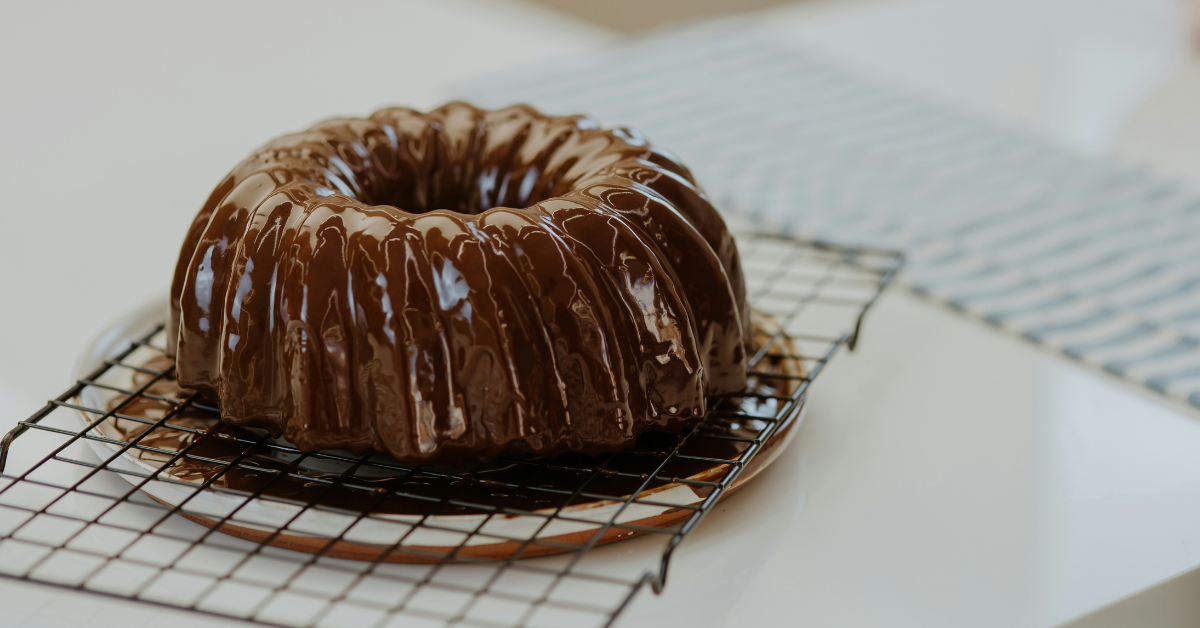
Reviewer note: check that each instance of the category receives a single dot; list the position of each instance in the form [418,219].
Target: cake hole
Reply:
[468,188]
[465,181]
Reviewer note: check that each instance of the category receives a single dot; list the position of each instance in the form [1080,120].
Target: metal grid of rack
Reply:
[74,513]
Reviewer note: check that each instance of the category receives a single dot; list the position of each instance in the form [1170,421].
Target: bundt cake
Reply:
[460,284]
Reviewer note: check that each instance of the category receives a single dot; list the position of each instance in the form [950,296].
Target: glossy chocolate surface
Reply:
[455,285]
[236,458]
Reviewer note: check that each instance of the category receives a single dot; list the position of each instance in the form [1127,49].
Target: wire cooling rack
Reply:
[73,518]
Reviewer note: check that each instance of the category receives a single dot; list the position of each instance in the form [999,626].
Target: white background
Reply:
[980,482]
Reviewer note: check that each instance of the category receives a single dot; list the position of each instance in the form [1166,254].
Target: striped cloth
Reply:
[1083,255]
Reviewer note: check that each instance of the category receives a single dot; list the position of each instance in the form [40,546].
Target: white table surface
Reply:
[978,481]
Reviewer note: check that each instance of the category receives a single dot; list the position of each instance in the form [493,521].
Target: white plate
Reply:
[422,537]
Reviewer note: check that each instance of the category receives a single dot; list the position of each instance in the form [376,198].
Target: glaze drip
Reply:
[454,285]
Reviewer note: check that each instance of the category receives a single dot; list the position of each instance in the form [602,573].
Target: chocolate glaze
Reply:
[236,458]
[454,285]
